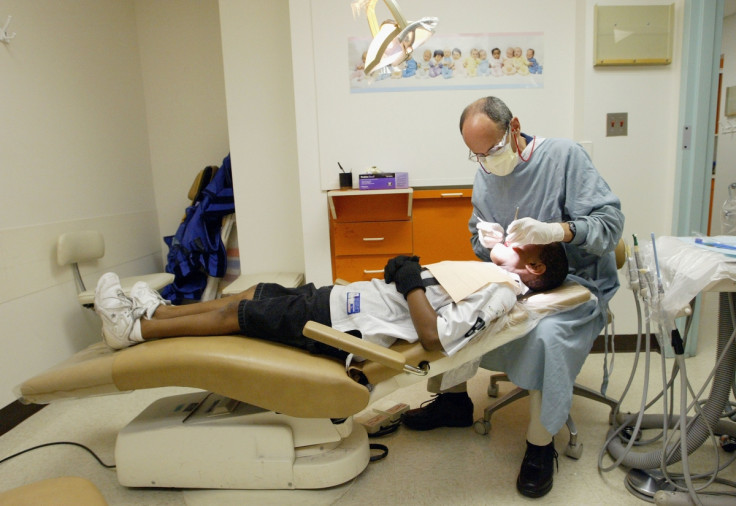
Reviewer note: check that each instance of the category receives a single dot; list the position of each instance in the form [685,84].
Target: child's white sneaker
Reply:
[121,326]
[147,298]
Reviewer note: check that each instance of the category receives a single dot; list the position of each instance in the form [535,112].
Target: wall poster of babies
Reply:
[462,61]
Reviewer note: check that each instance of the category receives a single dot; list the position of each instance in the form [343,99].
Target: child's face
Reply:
[530,53]
[427,55]
[438,57]
[456,55]
[515,259]
[517,52]
[510,52]
[496,53]
[474,53]
[482,54]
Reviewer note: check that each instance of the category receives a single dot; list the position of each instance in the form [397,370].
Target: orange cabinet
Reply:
[360,267]
[440,222]
[368,227]
[372,237]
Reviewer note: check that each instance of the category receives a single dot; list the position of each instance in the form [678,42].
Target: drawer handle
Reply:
[373,238]
[372,271]
[443,195]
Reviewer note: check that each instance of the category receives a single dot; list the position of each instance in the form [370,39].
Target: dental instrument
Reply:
[714,244]
[642,271]
[691,271]
[516,216]
[660,288]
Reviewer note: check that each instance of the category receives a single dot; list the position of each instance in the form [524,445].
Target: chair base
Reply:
[205,440]
[574,448]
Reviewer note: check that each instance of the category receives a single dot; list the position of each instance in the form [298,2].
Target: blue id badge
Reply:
[353,299]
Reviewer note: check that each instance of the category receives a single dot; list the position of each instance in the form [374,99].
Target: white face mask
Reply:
[501,163]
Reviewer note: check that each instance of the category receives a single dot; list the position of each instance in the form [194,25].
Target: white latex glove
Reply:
[489,234]
[530,231]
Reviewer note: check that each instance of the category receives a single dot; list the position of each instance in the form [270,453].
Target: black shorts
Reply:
[278,314]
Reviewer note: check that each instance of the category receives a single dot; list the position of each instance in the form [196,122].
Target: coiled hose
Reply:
[712,409]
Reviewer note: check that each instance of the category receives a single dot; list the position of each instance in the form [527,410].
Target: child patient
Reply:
[409,304]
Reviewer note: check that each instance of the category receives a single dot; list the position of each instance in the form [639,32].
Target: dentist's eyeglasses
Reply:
[481,159]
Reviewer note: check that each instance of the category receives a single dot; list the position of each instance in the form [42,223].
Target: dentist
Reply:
[560,197]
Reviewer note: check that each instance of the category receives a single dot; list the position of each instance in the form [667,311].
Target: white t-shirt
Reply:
[381,314]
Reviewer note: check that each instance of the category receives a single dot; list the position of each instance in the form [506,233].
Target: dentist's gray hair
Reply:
[492,107]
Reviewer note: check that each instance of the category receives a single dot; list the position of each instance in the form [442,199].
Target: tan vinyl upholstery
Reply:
[65,491]
[269,375]
[272,376]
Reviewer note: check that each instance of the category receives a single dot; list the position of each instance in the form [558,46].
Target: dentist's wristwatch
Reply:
[573,229]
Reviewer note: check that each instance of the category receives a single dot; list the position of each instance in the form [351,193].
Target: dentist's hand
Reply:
[489,234]
[530,231]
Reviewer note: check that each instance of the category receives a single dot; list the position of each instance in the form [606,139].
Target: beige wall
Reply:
[726,141]
[644,162]
[261,122]
[109,108]
[74,146]
[634,165]
[184,89]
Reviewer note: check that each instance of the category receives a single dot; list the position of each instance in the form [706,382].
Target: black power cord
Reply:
[108,466]
[379,447]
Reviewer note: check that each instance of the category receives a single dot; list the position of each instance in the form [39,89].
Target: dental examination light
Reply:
[394,40]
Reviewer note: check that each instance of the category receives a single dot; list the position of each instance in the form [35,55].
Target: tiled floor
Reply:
[445,466]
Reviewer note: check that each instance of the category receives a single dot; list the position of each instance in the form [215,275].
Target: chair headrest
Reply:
[80,246]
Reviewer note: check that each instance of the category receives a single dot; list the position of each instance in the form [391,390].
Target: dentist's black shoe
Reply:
[537,468]
[444,410]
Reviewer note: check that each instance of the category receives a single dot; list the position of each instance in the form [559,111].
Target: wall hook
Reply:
[4,35]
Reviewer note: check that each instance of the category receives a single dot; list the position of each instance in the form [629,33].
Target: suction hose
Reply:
[712,409]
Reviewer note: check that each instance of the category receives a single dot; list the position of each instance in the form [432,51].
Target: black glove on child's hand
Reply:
[408,277]
[393,265]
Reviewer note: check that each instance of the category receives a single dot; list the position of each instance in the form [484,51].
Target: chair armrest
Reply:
[351,344]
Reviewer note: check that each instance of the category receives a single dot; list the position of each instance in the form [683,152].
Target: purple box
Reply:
[383,181]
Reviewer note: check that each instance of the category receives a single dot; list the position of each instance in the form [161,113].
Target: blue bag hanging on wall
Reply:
[196,251]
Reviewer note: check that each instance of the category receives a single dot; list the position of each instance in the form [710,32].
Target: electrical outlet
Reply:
[617,123]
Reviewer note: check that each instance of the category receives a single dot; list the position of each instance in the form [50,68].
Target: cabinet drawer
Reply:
[365,205]
[372,238]
[441,225]
[444,193]
[360,268]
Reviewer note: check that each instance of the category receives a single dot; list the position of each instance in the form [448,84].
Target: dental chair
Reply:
[86,245]
[268,416]
[574,448]
[63,491]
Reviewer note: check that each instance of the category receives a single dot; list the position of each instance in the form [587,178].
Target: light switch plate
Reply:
[617,123]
